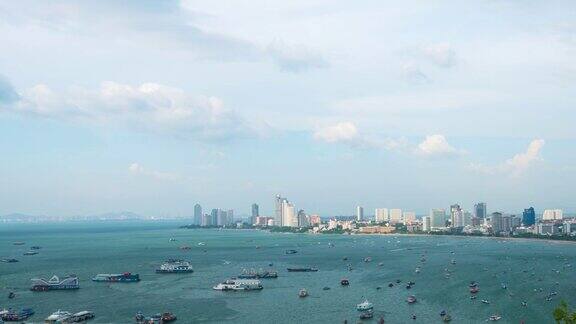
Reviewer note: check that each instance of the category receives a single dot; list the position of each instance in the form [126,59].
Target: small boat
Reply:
[175,266]
[367,259]
[326,288]
[453,261]
[345,258]
[380,264]
[367,314]
[411,299]
[413,316]
[201,243]
[291,252]
[365,305]
[58,316]
[11,295]
[446,318]
[474,290]
[524,304]
[18,243]
[417,270]
[13,316]
[172,239]
[80,317]
[185,248]
[302,269]
[473,297]
[485,301]
[303,293]
[473,284]
[494,318]
[503,285]
[398,281]
[35,247]
[31,252]
[344,282]
[390,285]
[10,260]
[442,313]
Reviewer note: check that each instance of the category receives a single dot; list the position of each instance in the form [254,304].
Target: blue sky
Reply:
[152,106]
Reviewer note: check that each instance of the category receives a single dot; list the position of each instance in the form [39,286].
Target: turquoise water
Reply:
[86,249]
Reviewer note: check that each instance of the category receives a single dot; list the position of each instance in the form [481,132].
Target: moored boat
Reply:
[13,316]
[121,277]
[80,317]
[58,316]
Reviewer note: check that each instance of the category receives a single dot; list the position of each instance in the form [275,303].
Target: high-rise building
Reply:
[214,217]
[381,215]
[552,214]
[288,214]
[206,220]
[480,210]
[437,218]
[426,224]
[456,216]
[408,217]
[395,215]
[359,213]
[529,217]
[197,214]
[229,216]
[496,222]
[302,219]
[278,210]
[255,213]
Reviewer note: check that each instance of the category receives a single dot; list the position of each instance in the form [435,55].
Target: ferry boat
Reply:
[253,274]
[122,277]
[175,266]
[80,317]
[54,283]
[365,305]
[302,293]
[13,316]
[239,284]
[58,316]
[302,269]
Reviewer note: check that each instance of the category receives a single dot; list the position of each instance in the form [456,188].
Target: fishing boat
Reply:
[121,277]
[302,293]
[494,318]
[365,305]
[302,269]
[411,299]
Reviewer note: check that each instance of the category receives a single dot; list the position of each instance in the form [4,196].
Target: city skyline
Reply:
[331,103]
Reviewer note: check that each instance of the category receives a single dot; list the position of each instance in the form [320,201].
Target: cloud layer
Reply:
[517,165]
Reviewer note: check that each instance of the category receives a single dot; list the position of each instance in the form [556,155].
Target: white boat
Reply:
[175,266]
[58,316]
[494,318]
[365,305]
[239,284]
[303,293]
[80,317]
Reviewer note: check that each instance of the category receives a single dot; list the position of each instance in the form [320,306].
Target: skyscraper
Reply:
[278,210]
[359,213]
[456,215]
[496,222]
[302,219]
[480,210]
[529,217]
[229,217]
[381,215]
[395,215]
[288,214]
[255,213]
[214,217]
[437,218]
[197,214]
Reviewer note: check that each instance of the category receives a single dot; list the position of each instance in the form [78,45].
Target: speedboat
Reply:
[303,293]
[494,318]
[503,285]
[365,305]
[58,316]
[485,301]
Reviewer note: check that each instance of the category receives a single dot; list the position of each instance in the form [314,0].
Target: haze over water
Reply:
[87,249]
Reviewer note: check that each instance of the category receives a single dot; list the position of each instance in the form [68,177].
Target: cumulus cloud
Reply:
[137,169]
[146,107]
[347,133]
[515,166]
[295,58]
[436,145]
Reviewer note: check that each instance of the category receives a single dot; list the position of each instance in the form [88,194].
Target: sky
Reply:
[152,106]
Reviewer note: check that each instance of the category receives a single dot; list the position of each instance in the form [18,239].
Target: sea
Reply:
[537,272]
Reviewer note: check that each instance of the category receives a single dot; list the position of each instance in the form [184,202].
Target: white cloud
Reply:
[147,107]
[441,54]
[436,145]
[137,169]
[341,132]
[515,166]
